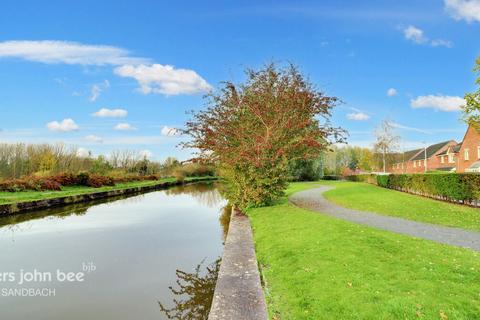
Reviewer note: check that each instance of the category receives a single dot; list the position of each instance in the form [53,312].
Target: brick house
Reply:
[424,159]
[444,156]
[468,154]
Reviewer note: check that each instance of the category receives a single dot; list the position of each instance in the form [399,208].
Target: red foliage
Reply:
[65,179]
[97,181]
[50,185]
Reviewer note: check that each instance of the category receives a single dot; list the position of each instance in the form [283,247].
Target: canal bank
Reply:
[238,291]
[27,206]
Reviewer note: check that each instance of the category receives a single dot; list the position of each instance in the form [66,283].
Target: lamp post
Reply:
[425,163]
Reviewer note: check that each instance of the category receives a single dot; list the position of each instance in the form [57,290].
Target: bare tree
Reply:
[387,141]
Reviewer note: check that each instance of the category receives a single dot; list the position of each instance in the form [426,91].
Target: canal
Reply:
[124,258]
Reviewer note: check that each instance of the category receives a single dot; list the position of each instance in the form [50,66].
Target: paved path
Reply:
[313,199]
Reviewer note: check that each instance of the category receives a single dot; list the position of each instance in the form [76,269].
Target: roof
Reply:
[410,154]
[457,148]
[454,149]
[431,150]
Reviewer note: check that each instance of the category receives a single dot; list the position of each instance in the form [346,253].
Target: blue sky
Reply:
[146,63]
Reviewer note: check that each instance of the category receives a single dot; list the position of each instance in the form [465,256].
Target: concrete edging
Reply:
[238,291]
[21,207]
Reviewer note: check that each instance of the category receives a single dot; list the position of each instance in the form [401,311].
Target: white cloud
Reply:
[83,153]
[94,138]
[468,10]
[48,51]
[441,43]
[164,79]
[64,126]
[438,102]
[97,89]
[414,34]
[124,127]
[145,154]
[95,92]
[392,92]
[358,116]
[110,113]
[170,132]
[418,36]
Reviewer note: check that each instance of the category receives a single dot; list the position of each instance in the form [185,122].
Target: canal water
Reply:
[129,258]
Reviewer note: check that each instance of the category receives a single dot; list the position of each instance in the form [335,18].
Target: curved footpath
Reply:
[314,200]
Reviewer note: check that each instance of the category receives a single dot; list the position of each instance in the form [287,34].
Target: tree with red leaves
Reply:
[255,129]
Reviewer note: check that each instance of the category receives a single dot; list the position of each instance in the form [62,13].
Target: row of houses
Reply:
[444,156]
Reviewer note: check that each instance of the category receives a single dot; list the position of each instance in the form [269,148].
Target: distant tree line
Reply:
[20,160]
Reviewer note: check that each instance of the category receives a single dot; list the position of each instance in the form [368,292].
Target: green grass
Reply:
[367,197]
[22,196]
[318,267]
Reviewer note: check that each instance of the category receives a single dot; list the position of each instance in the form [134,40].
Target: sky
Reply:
[109,75]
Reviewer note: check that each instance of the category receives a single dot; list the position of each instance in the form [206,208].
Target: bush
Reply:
[51,185]
[65,179]
[368,178]
[331,177]
[29,183]
[94,180]
[464,187]
[179,174]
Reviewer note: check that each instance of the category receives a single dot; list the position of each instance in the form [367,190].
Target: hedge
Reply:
[331,177]
[454,187]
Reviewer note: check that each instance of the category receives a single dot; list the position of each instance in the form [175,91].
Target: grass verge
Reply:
[318,267]
[24,196]
[367,197]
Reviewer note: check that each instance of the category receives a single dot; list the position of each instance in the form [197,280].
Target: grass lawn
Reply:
[22,196]
[318,267]
[363,196]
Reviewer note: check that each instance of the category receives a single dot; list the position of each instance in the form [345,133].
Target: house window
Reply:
[414,164]
[450,158]
[478,152]
[442,159]
[467,155]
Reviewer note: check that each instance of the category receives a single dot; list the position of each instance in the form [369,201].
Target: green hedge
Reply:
[461,187]
[331,177]
[454,187]
[369,178]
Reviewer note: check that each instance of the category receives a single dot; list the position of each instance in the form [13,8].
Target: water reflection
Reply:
[193,294]
[136,243]
[206,194]
[225,220]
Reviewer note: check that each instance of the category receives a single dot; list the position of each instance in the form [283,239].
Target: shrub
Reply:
[179,174]
[369,178]
[97,181]
[331,177]
[82,179]
[464,187]
[65,179]
[382,181]
[51,185]
[94,180]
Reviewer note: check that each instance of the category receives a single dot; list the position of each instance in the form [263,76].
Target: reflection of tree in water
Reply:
[225,220]
[19,222]
[205,193]
[193,297]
